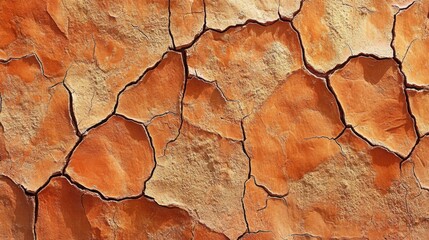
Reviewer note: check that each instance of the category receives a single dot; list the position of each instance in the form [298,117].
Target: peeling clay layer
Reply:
[214,119]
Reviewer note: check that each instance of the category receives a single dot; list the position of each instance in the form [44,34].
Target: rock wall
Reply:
[214,119]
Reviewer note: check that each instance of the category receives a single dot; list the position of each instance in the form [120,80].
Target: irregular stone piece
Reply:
[204,174]
[295,125]
[357,193]
[105,45]
[247,62]
[36,129]
[16,211]
[115,158]
[420,157]
[419,104]
[163,129]
[287,8]
[159,91]
[83,215]
[186,20]
[204,101]
[372,95]
[412,42]
[331,31]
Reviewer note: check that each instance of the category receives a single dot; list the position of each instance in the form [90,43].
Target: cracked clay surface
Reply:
[214,119]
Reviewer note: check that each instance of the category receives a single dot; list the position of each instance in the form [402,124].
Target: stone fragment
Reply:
[83,215]
[287,8]
[412,42]
[420,158]
[357,193]
[249,62]
[332,31]
[295,125]
[16,211]
[186,20]
[205,107]
[104,45]
[115,158]
[163,129]
[36,129]
[158,92]
[204,174]
[372,96]
[419,104]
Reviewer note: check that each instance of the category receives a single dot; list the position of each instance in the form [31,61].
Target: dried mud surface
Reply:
[214,119]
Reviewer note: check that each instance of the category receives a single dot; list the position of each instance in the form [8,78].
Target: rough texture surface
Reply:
[163,130]
[204,101]
[203,173]
[295,124]
[115,158]
[366,86]
[36,129]
[332,31]
[224,13]
[350,168]
[103,45]
[251,65]
[214,119]
[420,157]
[158,92]
[83,215]
[187,20]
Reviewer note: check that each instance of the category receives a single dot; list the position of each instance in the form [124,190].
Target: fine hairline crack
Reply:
[205,29]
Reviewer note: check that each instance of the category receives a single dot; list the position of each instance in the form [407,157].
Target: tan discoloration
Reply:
[248,63]
[200,119]
[356,182]
[83,215]
[332,31]
[203,173]
[37,133]
[158,92]
[204,101]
